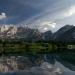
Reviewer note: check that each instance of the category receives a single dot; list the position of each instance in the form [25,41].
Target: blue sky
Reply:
[42,14]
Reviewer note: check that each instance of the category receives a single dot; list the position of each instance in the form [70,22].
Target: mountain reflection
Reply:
[46,64]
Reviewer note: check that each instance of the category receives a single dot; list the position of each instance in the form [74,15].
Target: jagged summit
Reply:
[8,30]
[66,33]
[14,31]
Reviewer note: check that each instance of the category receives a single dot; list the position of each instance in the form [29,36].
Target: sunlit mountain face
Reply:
[40,14]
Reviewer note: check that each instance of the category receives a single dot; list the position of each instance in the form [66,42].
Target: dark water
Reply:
[50,64]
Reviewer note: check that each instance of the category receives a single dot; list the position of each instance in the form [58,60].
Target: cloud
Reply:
[51,24]
[70,12]
[3,16]
[45,26]
[58,12]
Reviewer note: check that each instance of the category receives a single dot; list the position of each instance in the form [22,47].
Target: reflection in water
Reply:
[49,64]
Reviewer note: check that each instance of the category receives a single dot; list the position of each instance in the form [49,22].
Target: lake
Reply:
[44,64]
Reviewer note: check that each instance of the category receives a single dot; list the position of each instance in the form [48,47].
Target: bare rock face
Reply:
[19,32]
[8,30]
[64,34]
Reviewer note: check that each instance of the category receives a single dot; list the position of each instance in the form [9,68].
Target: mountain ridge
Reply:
[65,33]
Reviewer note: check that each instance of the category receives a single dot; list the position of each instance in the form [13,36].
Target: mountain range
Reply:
[66,33]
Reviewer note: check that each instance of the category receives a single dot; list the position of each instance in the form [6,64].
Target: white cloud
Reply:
[70,12]
[51,24]
[45,26]
[45,29]
[3,16]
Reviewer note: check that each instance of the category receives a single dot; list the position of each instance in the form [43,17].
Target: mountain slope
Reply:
[66,34]
[19,32]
